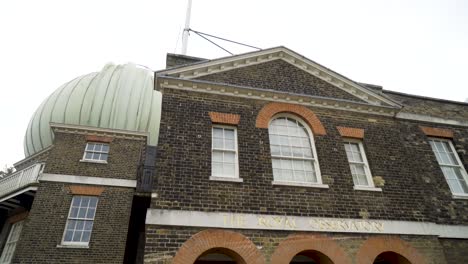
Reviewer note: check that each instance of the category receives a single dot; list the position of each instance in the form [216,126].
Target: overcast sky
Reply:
[418,47]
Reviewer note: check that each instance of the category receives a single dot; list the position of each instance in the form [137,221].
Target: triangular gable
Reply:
[197,70]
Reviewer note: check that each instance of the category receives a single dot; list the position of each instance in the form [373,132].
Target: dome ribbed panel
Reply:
[118,97]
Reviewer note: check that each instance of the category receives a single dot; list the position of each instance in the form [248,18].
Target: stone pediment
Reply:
[278,69]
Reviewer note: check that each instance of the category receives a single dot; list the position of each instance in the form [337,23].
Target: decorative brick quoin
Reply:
[260,158]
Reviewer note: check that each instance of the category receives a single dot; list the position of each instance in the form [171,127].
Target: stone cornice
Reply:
[166,82]
[278,53]
[86,130]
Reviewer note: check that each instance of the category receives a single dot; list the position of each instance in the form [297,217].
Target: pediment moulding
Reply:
[280,53]
[165,82]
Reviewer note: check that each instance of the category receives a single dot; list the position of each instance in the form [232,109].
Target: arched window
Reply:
[293,152]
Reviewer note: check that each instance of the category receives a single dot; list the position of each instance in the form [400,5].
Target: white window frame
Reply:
[236,177]
[319,183]
[460,165]
[11,245]
[84,159]
[365,162]
[75,243]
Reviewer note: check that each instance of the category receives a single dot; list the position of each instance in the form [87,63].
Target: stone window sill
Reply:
[94,161]
[365,188]
[301,184]
[460,196]
[226,179]
[73,245]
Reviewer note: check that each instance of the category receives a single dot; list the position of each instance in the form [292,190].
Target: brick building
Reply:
[264,157]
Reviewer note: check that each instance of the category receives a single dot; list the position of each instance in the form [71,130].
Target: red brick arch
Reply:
[296,244]
[374,246]
[271,109]
[244,250]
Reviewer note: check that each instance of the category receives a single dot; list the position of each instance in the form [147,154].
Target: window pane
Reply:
[229,170]
[93,202]
[88,225]
[217,143]
[86,236]
[455,186]
[229,157]
[77,236]
[217,156]
[217,169]
[89,146]
[275,150]
[68,235]
[105,148]
[229,134]
[229,144]
[89,155]
[274,140]
[103,156]
[217,132]
[297,152]
[90,213]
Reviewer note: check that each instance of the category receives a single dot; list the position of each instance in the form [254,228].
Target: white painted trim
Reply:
[275,96]
[287,55]
[367,171]
[460,196]
[367,188]
[459,165]
[18,193]
[98,129]
[431,119]
[301,223]
[236,150]
[226,179]
[93,161]
[301,184]
[88,180]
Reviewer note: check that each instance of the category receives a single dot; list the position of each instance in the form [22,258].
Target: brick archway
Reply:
[374,246]
[271,109]
[296,244]
[207,240]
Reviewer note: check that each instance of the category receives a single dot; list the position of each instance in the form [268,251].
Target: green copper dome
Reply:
[118,97]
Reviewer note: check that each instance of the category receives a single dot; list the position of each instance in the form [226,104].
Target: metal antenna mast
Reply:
[187,28]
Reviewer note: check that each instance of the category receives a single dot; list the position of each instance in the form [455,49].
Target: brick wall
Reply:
[455,250]
[65,156]
[45,225]
[163,243]
[415,188]
[281,76]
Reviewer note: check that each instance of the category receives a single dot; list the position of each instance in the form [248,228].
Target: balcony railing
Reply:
[20,179]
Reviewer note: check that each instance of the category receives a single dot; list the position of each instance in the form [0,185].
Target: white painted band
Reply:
[431,119]
[301,223]
[88,180]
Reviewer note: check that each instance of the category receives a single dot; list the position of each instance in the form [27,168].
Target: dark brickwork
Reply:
[415,188]
[432,107]
[164,242]
[65,156]
[456,250]
[37,158]
[281,76]
[44,227]
[173,60]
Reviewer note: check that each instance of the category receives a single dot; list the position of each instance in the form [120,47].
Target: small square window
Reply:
[96,152]
[80,220]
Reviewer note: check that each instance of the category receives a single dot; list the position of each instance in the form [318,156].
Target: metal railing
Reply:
[20,179]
